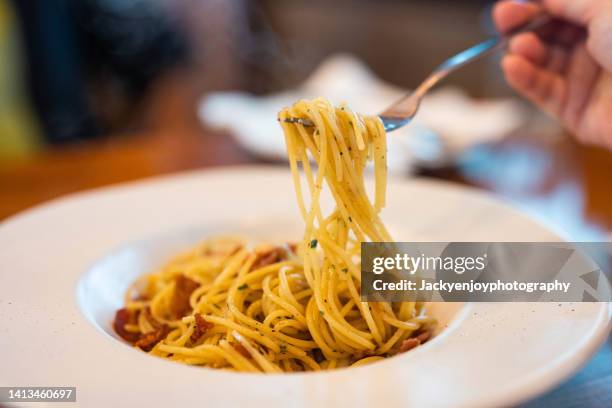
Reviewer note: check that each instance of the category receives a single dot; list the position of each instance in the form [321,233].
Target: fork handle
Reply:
[476,52]
[403,110]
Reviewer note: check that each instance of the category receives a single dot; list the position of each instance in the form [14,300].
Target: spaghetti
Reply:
[228,305]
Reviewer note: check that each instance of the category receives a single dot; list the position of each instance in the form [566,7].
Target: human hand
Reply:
[566,68]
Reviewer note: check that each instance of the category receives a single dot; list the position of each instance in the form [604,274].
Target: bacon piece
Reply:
[122,317]
[241,349]
[148,340]
[201,327]
[409,344]
[424,336]
[184,287]
[269,256]
[292,247]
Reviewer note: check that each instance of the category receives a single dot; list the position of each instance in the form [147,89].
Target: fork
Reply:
[403,111]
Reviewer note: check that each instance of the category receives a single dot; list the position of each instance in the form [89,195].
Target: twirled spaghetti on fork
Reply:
[230,304]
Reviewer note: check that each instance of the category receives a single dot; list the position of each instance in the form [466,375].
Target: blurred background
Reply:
[94,92]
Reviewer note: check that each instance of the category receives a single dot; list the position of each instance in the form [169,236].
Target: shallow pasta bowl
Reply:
[64,267]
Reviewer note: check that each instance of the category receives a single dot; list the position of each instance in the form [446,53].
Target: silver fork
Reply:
[403,111]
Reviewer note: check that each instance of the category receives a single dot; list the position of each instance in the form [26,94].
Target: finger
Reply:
[544,88]
[577,11]
[582,74]
[509,14]
[600,38]
[552,57]
[557,59]
[531,47]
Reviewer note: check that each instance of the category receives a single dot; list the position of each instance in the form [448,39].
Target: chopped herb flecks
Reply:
[313,243]
[243,286]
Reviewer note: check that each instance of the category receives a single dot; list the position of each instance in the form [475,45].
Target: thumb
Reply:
[596,16]
[599,41]
[579,12]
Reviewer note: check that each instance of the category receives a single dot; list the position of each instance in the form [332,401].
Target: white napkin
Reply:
[447,124]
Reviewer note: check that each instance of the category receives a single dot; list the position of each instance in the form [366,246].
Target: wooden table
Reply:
[58,172]
[558,178]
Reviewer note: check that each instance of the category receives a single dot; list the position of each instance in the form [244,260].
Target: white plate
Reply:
[64,266]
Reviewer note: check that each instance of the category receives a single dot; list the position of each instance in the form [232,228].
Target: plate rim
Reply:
[569,363]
